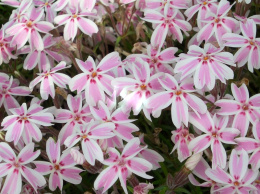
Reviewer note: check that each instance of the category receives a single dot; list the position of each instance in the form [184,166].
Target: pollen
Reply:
[251,42]
[236,183]
[245,107]
[205,3]
[217,20]
[94,74]
[84,136]
[16,165]
[214,134]
[179,92]
[57,167]
[75,15]
[77,117]
[46,4]
[205,58]
[29,24]
[143,87]
[1,44]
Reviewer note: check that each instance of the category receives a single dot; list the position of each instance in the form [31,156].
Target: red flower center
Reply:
[245,107]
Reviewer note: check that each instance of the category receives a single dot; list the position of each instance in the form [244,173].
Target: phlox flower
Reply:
[218,23]
[44,58]
[49,8]
[5,48]
[167,22]
[74,19]
[50,76]
[88,135]
[136,91]
[83,4]
[181,138]
[159,61]
[61,167]
[216,133]
[28,29]
[243,108]
[24,123]
[205,65]
[143,188]
[123,127]
[199,171]
[248,44]
[94,79]
[122,166]
[251,145]
[159,5]
[179,97]
[239,179]
[13,3]
[8,89]
[15,167]
[78,114]
[204,8]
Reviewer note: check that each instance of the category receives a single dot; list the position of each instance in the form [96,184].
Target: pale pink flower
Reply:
[77,155]
[28,29]
[159,5]
[44,58]
[61,167]
[126,1]
[24,123]
[204,9]
[206,65]
[49,8]
[83,4]
[15,167]
[248,44]
[243,19]
[166,23]
[159,61]
[50,76]
[94,79]
[143,188]
[13,3]
[88,135]
[216,133]
[10,88]
[240,178]
[244,109]
[181,138]
[219,23]
[251,145]
[135,92]
[122,166]
[199,171]
[179,97]
[74,19]
[123,127]
[77,115]
[5,48]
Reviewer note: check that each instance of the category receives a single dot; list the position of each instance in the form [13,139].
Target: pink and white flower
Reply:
[50,76]
[15,167]
[216,133]
[244,109]
[74,19]
[181,138]
[24,123]
[123,165]
[166,23]
[78,114]
[251,145]
[49,8]
[61,167]
[206,65]
[248,44]
[28,30]
[179,97]
[240,178]
[135,92]
[219,23]
[94,79]
[88,135]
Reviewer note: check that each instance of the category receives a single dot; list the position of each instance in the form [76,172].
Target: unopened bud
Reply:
[192,162]
[77,156]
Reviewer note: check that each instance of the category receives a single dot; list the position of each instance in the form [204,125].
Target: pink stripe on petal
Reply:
[248,28]
[66,131]
[53,150]
[103,131]
[43,167]
[31,60]
[255,160]
[159,35]
[219,154]
[125,130]
[206,32]
[71,175]
[200,143]
[87,26]
[139,167]
[55,181]
[109,62]
[74,103]
[70,30]
[13,182]
[228,107]
[92,151]
[27,154]
[6,152]
[14,133]
[78,82]
[241,94]
[248,144]
[238,164]
[33,177]
[66,159]
[218,175]
[36,40]
[179,112]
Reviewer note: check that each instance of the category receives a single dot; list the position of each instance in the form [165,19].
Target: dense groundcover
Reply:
[129,96]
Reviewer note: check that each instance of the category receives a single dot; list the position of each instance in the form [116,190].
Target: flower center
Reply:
[236,183]
[16,165]
[29,24]
[251,42]
[121,163]
[154,60]
[179,92]
[143,87]
[217,20]
[214,134]
[75,15]
[77,117]
[46,4]
[245,107]
[57,167]
[1,44]
[204,3]
[84,136]
[205,58]
[94,74]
